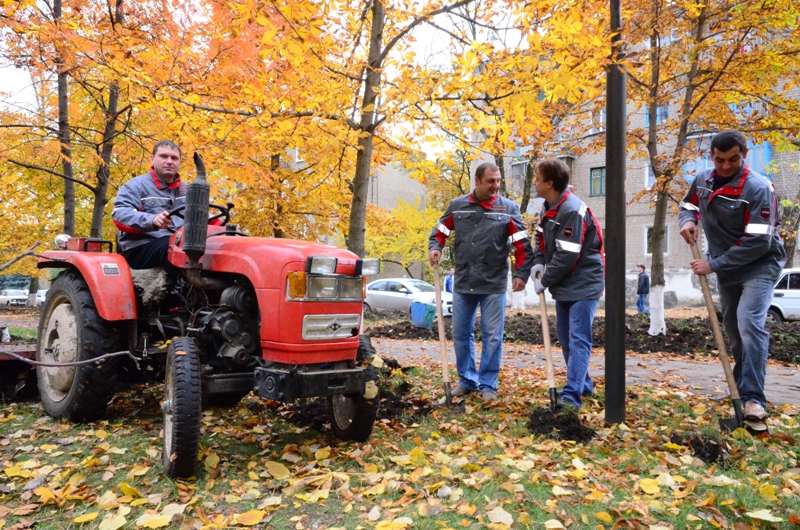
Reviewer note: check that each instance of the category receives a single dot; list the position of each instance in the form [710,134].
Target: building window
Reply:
[598,121]
[597,181]
[649,177]
[662,113]
[649,241]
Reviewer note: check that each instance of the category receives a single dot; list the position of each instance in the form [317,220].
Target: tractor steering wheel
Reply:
[224,214]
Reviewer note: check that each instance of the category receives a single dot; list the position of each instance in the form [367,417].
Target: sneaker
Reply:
[754,412]
[488,395]
[460,391]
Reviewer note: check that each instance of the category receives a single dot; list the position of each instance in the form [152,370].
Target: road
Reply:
[703,376]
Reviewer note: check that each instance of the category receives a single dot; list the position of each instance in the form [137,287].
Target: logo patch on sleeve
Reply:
[765,211]
[567,231]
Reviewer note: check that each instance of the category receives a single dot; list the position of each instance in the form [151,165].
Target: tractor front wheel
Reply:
[71,330]
[352,416]
[182,408]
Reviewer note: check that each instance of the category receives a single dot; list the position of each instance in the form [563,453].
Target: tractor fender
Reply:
[107,275]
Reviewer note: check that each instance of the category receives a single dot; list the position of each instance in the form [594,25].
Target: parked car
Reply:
[17,297]
[398,293]
[40,295]
[786,299]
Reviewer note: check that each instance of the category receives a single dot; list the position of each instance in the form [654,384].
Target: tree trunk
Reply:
[64,136]
[274,166]
[658,325]
[360,184]
[526,186]
[498,160]
[106,148]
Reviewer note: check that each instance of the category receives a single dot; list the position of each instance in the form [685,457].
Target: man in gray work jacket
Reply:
[487,226]
[739,211]
[141,208]
[569,257]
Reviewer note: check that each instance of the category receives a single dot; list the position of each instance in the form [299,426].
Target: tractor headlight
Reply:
[322,286]
[369,266]
[351,288]
[321,265]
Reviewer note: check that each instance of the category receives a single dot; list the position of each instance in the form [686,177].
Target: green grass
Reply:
[444,470]
[23,333]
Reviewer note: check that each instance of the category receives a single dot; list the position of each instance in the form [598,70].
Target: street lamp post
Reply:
[615,225]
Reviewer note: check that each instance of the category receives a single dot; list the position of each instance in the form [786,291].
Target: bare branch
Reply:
[28,252]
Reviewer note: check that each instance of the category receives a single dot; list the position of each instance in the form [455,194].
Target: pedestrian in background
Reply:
[448,281]
[739,211]
[487,226]
[642,290]
[569,256]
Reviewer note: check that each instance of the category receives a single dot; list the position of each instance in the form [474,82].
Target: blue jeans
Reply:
[640,304]
[493,313]
[744,316]
[574,328]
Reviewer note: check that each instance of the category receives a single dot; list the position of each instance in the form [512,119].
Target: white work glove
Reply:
[537,286]
[537,270]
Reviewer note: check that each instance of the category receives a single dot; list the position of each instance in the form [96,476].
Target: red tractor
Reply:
[278,317]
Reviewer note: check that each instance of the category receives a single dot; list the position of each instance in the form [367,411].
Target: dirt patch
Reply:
[707,450]
[688,336]
[564,425]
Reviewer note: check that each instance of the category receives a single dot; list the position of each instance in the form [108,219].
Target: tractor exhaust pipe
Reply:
[195,227]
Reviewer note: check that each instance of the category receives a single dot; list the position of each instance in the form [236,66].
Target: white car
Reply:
[786,299]
[17,297]
[398,293]
[40,296]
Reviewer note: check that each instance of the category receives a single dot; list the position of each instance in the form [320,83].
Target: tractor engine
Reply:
[231,328]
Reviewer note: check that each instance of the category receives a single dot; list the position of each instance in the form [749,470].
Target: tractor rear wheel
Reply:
[182,408]
[352,416]
[71,330]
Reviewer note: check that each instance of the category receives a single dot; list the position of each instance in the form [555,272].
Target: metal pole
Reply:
[615,226]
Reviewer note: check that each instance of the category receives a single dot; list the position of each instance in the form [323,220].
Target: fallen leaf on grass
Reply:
[250,518]
[113,524]
[553,524]
[764,515]
[85,518]
[499,515]
[277,470]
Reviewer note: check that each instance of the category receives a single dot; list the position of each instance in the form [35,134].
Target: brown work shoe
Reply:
[754,412]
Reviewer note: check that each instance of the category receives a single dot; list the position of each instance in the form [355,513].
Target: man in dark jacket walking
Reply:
[487,227]
[642,290]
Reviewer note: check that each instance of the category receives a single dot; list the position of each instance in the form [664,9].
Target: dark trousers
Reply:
[148,256]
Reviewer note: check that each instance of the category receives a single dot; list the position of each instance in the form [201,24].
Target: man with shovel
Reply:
[487,226]
[568,259]
[739,211]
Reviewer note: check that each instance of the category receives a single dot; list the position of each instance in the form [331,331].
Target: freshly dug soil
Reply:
[685,336]
[707,450]
[565,425]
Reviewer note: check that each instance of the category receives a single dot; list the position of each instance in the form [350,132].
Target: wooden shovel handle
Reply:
[715,327]
[551,378]
[440,318]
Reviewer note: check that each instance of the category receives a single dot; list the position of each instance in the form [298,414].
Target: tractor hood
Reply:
[262,260]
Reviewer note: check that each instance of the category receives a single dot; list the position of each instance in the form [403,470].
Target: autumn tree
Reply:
[713,67]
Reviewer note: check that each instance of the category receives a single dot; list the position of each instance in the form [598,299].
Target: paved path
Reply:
[698,376]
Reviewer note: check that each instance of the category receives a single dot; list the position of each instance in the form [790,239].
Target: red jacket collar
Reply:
[487,205]
[160,184]
[729,189]
[552,211]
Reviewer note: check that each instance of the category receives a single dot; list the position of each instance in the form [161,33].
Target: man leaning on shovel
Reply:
[739,211]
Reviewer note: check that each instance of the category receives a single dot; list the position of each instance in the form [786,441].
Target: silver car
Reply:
[16,297]
[786,299]
[398,293]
